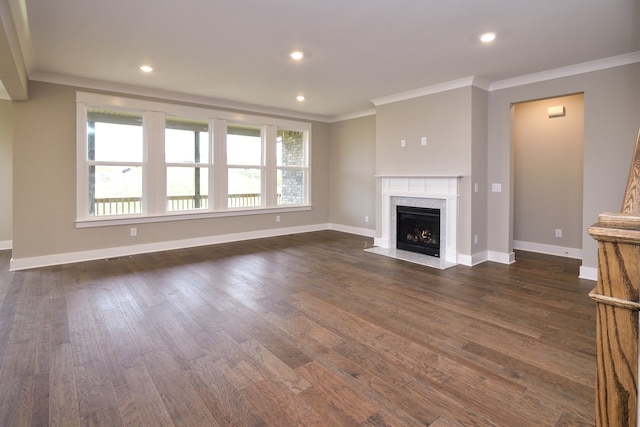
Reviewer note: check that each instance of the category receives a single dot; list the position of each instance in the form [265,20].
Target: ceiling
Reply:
[355,51]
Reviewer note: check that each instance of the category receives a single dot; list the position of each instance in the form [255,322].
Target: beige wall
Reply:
[6,161]
[454,123]
[548,159]
[44,187]
[351,172]
[612,119]
[444,118]
[479,153]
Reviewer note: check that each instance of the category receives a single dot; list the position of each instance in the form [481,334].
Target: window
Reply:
[187,164]
[291,161]
[114,152]
[244,165]
[139,160]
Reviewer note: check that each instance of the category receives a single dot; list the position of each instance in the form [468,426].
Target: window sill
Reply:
[129,220]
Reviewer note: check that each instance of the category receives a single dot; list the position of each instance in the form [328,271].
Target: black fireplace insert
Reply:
[418,230]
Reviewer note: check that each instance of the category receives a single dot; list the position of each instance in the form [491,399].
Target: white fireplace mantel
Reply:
[425,191]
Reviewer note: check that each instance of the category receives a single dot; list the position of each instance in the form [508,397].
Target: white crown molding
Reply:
[477,81]
[571,70]
[351,116]
[428,90]
[170,96]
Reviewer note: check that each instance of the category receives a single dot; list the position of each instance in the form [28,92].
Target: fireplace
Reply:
[431,192]
[418,230]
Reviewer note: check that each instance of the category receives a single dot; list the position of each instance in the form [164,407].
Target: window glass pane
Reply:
[290,187]
[115,190]
[187,188]
[244,187]
[244,145]
[290,148]
[186,141]
[114,136]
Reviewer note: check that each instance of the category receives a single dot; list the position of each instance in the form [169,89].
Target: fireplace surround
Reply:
[434,192]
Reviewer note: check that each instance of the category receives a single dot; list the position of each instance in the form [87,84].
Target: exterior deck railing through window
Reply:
[133,205]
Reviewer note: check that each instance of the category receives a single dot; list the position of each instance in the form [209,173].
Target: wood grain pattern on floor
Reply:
[300,330]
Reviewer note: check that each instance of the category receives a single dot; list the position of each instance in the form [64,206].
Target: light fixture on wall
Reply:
[557,111]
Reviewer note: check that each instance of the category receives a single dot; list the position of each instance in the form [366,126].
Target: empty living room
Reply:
[319,213]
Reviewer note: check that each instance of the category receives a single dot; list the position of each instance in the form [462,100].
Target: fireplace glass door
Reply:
[418,230]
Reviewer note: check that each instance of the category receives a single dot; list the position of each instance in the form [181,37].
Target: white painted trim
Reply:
[501,257]
[428,90]
[72,257]
[367,232]
[465,260]
[351,116]
[3,93]
[548,249]
[439,188]
[170,96]
[479,258]
[382,242]
[588,273]
[571,70]
[6,244]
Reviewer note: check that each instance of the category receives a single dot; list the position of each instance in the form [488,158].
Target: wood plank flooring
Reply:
[302,330]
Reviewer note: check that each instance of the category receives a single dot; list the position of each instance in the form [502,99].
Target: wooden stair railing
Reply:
[618,304]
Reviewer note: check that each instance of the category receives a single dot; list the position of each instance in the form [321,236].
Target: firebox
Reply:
[418,230]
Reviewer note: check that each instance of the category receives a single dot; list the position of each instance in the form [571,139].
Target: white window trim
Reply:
[154,196]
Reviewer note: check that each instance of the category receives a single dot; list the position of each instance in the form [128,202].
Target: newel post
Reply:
[618,303]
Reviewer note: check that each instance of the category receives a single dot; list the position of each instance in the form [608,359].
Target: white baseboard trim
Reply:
[6,244]
[589,273]
[548,249]
[501,257]
[473,260]
[72,257]
[367,232]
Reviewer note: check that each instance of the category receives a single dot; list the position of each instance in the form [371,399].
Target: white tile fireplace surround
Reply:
[438,192]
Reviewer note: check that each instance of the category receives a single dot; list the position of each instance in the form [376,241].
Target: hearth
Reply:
[418,230]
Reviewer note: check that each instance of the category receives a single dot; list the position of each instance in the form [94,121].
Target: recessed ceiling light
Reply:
[300,98]
[487,37]
[146,68]
[296,55]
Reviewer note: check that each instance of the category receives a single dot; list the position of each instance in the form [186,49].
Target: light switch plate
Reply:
[496,188]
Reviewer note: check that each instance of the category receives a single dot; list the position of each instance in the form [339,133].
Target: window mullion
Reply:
[155,183]
[218,153]
[270,182]
[82,168]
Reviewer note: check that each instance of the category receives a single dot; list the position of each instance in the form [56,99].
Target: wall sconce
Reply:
[556,111]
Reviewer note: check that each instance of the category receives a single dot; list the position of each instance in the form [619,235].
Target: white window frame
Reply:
[154,205]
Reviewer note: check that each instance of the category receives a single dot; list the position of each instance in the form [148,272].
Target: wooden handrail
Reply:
[631,201]
[618,305]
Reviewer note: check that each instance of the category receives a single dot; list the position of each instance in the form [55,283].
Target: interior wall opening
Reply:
[548,149]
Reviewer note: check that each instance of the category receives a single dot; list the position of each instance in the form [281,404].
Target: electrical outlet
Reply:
[277,218]
[366,219]
[423,141]
[133,232]
[558,232]
[403,143]
[475,239]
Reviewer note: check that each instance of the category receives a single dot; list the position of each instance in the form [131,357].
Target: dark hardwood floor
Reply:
[304,330]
